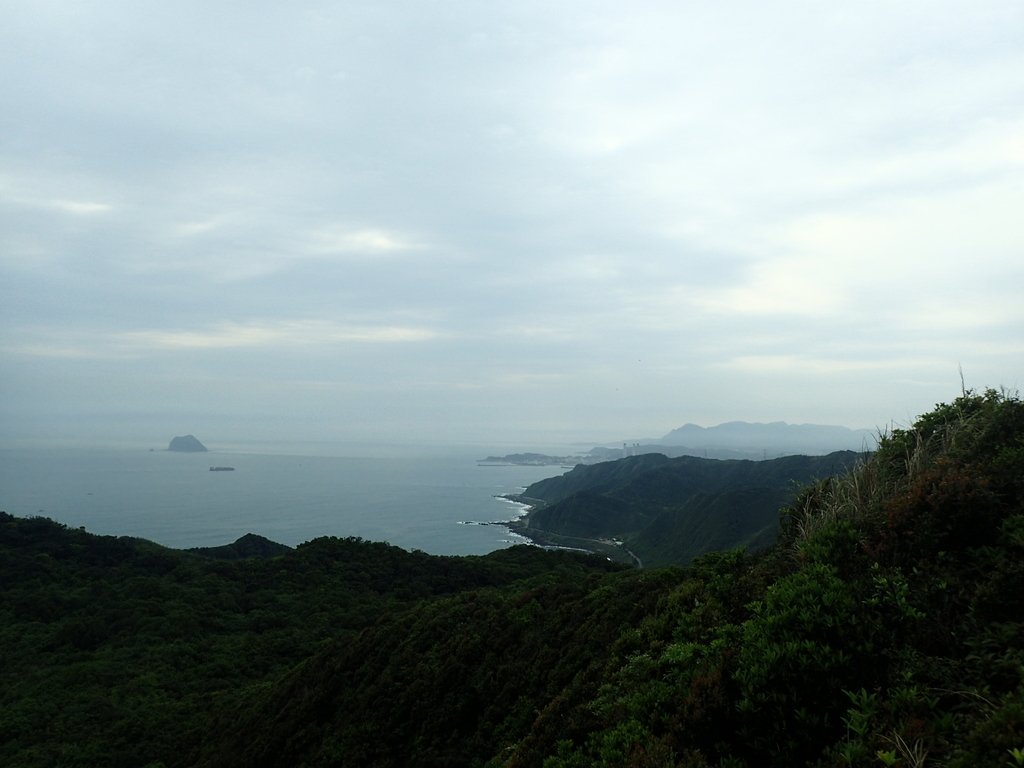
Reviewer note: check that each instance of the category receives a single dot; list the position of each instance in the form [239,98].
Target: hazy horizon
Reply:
[516,225]
[466,448]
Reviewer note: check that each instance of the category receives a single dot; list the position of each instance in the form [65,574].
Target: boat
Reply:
[222,469]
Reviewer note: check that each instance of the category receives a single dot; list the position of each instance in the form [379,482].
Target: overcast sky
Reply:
[512,222]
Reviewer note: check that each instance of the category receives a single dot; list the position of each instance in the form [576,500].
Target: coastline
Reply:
[520,527]
[174,500]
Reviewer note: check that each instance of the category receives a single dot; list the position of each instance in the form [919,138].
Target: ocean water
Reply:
[429,502]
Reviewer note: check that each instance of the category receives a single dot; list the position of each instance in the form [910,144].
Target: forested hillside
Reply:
[117,651]
[669,511]
[884,628]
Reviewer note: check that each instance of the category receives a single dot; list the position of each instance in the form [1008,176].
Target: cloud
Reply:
[808,287]
[347,240]
[20,192]
[806,365]
[276,334]
[79,207]
[706,205]
[199,227]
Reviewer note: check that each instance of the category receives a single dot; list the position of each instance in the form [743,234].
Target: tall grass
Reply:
[903,455]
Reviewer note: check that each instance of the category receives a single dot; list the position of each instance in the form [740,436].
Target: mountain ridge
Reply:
[695,504]
[769,435]
[884,627]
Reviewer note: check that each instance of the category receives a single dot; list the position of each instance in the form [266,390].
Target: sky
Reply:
[517,223]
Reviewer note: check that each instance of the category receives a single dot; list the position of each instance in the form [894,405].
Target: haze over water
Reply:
[174,499]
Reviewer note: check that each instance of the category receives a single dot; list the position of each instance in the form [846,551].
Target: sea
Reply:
[443,501]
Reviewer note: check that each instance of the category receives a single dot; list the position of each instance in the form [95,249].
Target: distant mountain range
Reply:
[732,440]
[777,435]
[746,440]
[885,627]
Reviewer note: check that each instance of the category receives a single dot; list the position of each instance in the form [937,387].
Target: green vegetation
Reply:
[669,511]
[118,652]
[884,628]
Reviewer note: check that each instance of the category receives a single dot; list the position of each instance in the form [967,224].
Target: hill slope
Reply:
[885,628]
[669,511]
[118,652]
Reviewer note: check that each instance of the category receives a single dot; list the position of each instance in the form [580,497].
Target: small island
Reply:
[186,444]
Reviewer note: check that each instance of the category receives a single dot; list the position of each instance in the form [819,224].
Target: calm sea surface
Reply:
[173,498]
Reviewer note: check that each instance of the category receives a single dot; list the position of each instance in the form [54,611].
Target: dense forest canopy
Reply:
[885,627]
